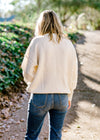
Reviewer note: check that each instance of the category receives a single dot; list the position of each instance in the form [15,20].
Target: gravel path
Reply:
[82,121]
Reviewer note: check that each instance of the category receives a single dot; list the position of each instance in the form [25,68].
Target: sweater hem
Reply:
[46,92]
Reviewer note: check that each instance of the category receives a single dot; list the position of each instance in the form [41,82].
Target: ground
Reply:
[82,121]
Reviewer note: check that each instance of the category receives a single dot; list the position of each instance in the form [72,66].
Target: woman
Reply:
[50,71]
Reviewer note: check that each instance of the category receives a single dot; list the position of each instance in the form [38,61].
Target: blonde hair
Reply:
[48,22]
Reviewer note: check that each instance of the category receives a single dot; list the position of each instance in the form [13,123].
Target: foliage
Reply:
[73,36]
[89,20]
[14,40]
[66,9]
[62,7]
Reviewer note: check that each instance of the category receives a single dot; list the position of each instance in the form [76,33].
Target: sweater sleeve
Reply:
[74,72]
[29,62]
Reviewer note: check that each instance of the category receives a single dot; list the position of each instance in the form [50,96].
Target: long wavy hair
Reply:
[49,22]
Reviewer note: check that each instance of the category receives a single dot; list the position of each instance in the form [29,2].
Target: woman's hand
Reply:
[69,104]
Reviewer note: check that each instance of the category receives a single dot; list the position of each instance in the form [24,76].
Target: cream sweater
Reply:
[50,67]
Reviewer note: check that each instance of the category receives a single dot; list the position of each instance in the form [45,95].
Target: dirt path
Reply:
[83,119]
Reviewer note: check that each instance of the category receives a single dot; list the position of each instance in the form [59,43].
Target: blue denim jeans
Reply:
[39,106]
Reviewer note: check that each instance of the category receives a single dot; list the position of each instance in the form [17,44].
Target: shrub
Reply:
[14,40]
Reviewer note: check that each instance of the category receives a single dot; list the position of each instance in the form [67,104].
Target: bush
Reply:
[74,36]
[14,40]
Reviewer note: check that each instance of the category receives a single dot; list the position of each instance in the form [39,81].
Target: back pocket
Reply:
[63,100]
[39,100]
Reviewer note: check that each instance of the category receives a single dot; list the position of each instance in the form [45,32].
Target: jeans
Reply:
[39,106]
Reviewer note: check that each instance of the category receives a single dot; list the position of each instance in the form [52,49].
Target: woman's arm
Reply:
[29,62]
[74,71]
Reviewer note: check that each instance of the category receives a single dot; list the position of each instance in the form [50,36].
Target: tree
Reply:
[64,8]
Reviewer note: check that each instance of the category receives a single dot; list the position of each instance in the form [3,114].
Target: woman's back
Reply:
[55,64]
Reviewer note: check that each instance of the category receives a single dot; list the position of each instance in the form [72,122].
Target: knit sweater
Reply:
[50,67]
